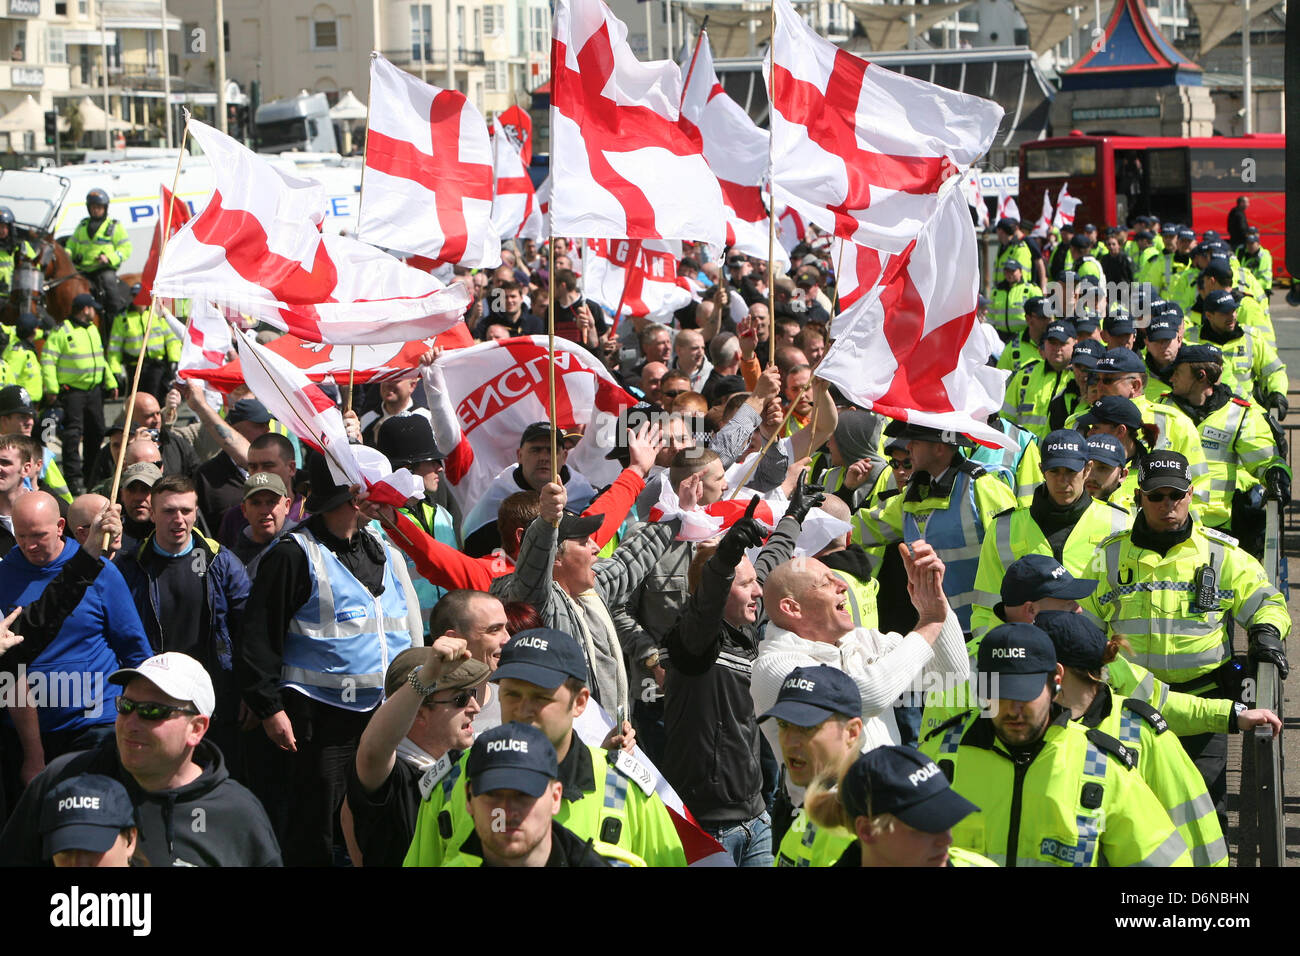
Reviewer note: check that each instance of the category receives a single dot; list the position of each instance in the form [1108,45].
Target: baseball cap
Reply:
[85,812]
[1119,323]
[906,783]
[1080,241]
[1035,305]
[1089,227]
[1107,450]
[1078,641]
[1007,223]
[1220,267]
[1113,410]
[1011,264]
[1145,235]
[82,300]
[575,527]
[809,695]
[542,430]
[1186,232]
[1021,655]
[1060,331]
[176,675]
[248,410]
[1037,576]
[466,674]
[542,656]
[1085,321]
[511,756]
[1252,234]
[264,481]
[145,472]
[1220,300]
[1120,360]
[1064,448]
[1163,328]
[1086,352]
[909,431]
[1197,353]
[1210,235]
[1168,228]
[1164,469]
[14,400]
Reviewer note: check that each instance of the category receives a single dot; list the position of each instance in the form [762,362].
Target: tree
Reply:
[76,127]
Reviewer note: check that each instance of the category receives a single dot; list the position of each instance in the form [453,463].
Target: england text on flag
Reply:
[639,275]
[861,150]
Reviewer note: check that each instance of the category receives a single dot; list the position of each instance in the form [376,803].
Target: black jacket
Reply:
[567,849]
[712,753]
[212,821]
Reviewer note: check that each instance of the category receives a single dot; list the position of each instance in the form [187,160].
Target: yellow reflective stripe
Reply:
[1179,662]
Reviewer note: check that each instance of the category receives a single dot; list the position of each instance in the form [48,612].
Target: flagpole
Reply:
[627,275]
[771,185]
[695,53]
[772,439]
[361,198]
[550,365]
[129,411]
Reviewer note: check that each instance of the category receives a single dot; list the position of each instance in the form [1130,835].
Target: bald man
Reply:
[179,457]
[807,604]
[69,679]
[141,449]
[81,519]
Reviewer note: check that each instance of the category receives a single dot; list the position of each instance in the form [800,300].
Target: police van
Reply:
[55,197]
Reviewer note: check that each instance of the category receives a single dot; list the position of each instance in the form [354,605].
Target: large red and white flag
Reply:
[482,398]
[624,167]
[859,149]
[860,269]
[172,214]
[333,363]
[519,127]
[428,178]
[1044,223]
[639,275]
[735,149]
[1065,207]
[1008,208]
[309,413]
[257,248]
[205,340]
[515,212]
[910,350]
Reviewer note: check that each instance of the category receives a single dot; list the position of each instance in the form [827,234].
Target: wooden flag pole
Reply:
[627,275]
[550,364]
[361,198]
[129,411]
[352,371]
[704,25]
[771,205]
[772,440]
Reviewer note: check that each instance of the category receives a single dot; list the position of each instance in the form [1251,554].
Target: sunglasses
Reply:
[148,710]
[1159,496]
[460,700]
[672,392]
[897,463]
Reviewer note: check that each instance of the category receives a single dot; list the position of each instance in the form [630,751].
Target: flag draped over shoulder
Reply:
[861,150]
[910,349]
[257,247]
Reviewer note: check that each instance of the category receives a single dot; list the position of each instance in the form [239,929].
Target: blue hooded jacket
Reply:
[69,680]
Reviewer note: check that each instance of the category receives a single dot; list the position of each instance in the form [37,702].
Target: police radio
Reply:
[1205,589]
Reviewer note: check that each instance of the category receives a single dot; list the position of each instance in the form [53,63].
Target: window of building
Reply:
[422,32]
[478,29]
[540,29]
[60,8]
[225,35]
[56,49]
[495,79]
[494,20]
[324,34]
[83,7]
[460,28]
[151,50]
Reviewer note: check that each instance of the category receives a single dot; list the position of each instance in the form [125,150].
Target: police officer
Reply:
[1238,442]
[1032,388]
[1074,397]
[98,247]
[1108,469]
[1185,285]
[818,714]
[1050,792]
[407,442]
[126,346]
[513,793]
[1118,330]
[21,357]
[1257,260]
[1148,263]
[331,605]
[900,807]
[1217,277]
[1011,246]
[1024,346]
[10,248]
[76,377]
[1253,368]
[1164,336]
[1083,257]
[542,677]
[949,501]
[1007,312]
[1083,652]
[1063,521]
[1171,587]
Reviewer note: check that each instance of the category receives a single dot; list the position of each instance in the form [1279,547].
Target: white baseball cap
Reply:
[176,675]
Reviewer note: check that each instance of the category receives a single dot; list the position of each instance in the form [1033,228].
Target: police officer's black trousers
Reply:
[152,377]
[327,740]
[82,432]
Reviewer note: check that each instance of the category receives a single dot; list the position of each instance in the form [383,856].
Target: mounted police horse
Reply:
[46,286]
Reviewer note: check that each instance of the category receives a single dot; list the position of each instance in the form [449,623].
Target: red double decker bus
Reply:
[1192,181]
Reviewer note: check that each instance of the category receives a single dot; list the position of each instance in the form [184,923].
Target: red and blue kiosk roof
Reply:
[1132,52]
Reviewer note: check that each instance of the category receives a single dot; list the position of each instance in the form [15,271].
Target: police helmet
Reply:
[6,216]
[97,197]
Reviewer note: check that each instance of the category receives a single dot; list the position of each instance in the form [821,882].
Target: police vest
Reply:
[85,248]
[622,810]
[340,642]
[73,356]
[956,533]
[1165,767]
[806,844]
[1007,311]
[1018,467]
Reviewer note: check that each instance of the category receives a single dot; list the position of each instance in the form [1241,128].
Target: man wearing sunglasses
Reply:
[1172,587]
[174,776]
